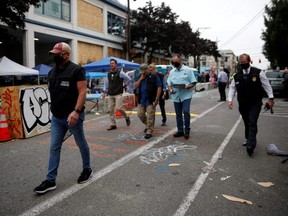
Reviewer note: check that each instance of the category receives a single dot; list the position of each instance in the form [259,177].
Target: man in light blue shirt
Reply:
[180,82]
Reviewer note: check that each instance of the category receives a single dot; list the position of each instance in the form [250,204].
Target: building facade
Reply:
[94,29]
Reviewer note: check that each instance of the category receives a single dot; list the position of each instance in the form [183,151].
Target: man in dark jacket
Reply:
[113,87]
[67,87]
[149,86]
[250,83]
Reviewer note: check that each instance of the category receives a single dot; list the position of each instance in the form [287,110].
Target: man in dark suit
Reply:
[250,83]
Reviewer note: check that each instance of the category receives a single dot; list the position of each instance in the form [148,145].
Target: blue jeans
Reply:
[180,109]
[59,127]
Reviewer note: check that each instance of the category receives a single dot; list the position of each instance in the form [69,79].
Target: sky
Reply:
[233,24]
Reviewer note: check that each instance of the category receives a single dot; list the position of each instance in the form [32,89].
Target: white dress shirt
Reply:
[263,79]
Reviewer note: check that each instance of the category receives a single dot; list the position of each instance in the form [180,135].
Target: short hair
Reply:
[152,65]
[112,59]
[178,56]
[247,56]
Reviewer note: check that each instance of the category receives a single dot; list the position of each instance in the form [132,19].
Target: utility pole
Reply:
[128,30]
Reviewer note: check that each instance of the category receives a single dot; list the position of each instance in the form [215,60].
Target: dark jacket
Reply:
[115,83]
[62,85]
[249,87]
[152,88]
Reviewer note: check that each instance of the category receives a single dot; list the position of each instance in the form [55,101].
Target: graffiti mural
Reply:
[35,109]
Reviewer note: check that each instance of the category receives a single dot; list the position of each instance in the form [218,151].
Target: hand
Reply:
[230,104]
[73,118]
[103,96]
[270,102]
[142,77]
[155,103]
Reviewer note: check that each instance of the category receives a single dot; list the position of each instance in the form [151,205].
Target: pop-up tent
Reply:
[104,64]
[11,68]
[43,69]
[95,75]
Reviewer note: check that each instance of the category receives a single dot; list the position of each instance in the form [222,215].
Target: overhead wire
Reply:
[261,12]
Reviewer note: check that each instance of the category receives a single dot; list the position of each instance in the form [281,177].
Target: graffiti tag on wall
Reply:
[35,109]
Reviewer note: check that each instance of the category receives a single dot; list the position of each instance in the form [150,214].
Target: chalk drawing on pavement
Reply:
[160,154]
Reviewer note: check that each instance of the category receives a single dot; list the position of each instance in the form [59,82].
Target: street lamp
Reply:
[128,29]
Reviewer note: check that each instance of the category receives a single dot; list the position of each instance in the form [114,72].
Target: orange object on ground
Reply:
[4,130]
[118,114]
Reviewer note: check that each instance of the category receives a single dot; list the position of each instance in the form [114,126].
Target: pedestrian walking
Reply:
[222,81]
[149,91]
[249,83]
[67,86]
[162,98]
[113,87]
[180,82]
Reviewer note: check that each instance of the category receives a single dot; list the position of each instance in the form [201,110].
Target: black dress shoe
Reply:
[178,134]
[128,122]
[148,136]
[186,135]
[245,143]
[163,124]
[250,151]
[112,127]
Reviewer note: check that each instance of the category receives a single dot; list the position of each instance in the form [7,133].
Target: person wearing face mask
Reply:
[67,86]
[250,84]
[181,81]
[113,87]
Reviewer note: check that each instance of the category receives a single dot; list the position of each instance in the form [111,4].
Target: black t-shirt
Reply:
[62,85]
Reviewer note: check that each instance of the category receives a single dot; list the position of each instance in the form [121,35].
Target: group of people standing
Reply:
[67,86]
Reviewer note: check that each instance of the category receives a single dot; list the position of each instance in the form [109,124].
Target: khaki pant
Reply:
[115,102]
[147,116]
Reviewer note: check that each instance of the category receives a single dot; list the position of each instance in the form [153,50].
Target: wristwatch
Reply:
[77,110]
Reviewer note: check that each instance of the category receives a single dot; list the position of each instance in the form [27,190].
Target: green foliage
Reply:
[156,29]
[276,34]
[12,12]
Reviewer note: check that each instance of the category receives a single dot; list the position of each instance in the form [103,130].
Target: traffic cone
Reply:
[118,114]
[4,130]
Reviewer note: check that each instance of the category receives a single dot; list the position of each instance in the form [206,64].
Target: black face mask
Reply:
[245,66]
[58,59]
[176,64]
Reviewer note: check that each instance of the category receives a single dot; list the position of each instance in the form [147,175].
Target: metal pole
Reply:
[128,30]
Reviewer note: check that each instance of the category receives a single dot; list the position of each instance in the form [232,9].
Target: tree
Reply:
[153,27]
[276,34]
[13,12]
[156,29]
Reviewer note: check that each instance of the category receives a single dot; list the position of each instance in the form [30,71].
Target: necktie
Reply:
[246,71]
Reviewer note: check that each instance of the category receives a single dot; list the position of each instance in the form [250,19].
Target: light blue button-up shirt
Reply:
[183,76]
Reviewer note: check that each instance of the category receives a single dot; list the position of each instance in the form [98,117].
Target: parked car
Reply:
[276,79]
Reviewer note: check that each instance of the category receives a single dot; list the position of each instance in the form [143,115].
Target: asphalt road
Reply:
[159,177]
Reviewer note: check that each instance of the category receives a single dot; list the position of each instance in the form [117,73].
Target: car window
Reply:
[274,74]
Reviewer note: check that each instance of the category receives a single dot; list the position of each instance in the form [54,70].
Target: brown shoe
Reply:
[112,127]
[186,135]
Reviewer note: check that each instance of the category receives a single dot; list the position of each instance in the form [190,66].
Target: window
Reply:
[116,25]
[59,9]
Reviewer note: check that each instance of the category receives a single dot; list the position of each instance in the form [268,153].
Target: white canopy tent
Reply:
[11,68]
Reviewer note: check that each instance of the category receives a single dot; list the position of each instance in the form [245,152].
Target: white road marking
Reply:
[41,207]
[202,178]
